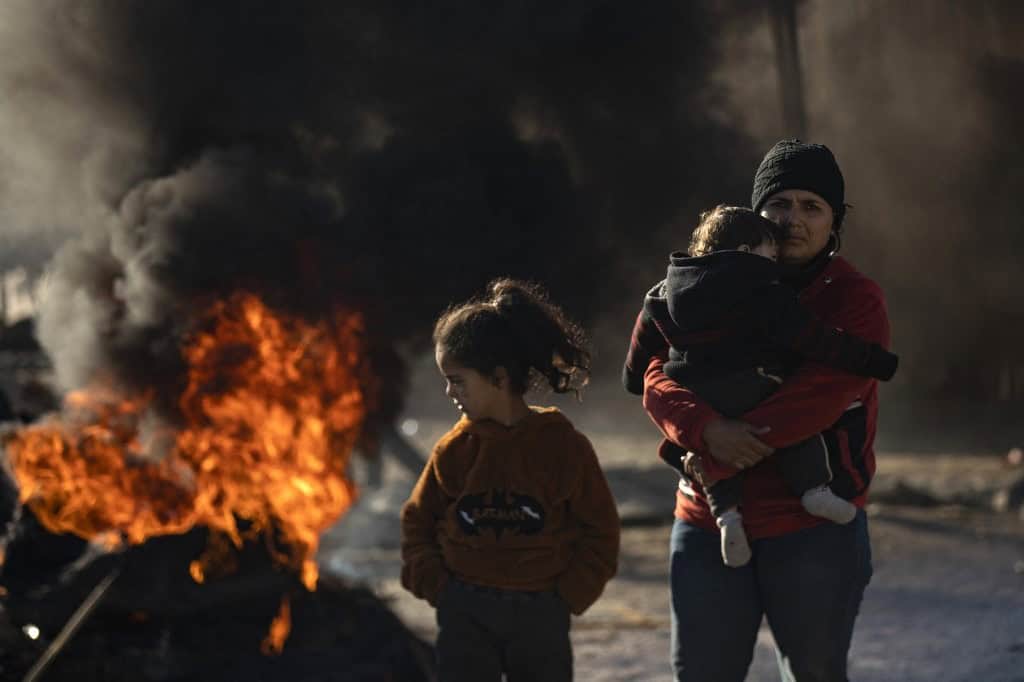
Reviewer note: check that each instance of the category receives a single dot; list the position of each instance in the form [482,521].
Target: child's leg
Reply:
[467,650]
[807,472]
[732,393]
[538,648]
[724,499]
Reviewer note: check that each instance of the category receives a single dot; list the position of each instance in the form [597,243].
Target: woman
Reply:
[807,577]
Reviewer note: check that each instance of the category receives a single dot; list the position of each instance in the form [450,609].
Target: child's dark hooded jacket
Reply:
[728,311]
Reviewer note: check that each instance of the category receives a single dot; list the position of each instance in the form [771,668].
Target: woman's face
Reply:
[808,222]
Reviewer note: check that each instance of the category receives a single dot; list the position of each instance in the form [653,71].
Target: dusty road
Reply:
[946,603]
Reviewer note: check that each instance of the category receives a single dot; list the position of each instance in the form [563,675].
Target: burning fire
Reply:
[271,410]
[273,643]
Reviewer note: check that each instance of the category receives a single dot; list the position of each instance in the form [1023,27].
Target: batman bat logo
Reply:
[499,510]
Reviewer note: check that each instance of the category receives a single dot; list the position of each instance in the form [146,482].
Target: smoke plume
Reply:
[370,154]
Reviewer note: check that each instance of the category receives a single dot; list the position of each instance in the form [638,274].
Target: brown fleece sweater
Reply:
[525,507]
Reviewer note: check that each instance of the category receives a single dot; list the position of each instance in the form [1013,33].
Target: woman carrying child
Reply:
[511,525]
[806,576]
[733,332]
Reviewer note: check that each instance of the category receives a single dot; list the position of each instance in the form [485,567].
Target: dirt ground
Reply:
[946,603]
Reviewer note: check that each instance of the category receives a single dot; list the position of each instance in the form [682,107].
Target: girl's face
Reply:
[474,394]
[808,222]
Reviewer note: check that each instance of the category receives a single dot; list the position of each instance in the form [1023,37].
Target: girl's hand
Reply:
[735,443]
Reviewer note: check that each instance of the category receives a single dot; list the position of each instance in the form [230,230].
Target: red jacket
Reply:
[814,399]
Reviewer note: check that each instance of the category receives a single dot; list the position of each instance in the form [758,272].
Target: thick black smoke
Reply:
[374,154]
[921,102]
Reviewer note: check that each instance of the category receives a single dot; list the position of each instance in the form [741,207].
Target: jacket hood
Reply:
[700,290]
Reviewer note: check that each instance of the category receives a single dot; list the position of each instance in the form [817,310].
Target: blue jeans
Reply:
[808,584]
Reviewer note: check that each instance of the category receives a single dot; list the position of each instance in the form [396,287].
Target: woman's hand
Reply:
[735,443]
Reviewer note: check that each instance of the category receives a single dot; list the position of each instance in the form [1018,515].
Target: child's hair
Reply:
[726,228]
[515,326]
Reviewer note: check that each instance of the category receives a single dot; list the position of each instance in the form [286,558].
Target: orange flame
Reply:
[280,628]
[271,411]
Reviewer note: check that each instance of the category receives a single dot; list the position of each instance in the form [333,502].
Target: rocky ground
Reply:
[946,603]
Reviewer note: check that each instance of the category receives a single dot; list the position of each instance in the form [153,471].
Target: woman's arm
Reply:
[815,396]
[679,412]
[779,317]
[810,401]
[691,423]
[645,342]
[423,570]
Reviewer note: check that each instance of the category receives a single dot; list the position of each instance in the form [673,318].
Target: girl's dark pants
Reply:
[808,584]
[483,632]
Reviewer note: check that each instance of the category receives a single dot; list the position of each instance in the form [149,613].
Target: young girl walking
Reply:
[511,525]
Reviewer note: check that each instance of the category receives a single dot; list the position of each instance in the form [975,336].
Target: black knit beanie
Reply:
[792,164]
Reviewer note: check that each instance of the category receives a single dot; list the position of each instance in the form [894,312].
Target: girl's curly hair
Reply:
[515,326]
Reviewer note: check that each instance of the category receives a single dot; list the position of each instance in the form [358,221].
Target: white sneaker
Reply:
[824,503]
[735,548]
